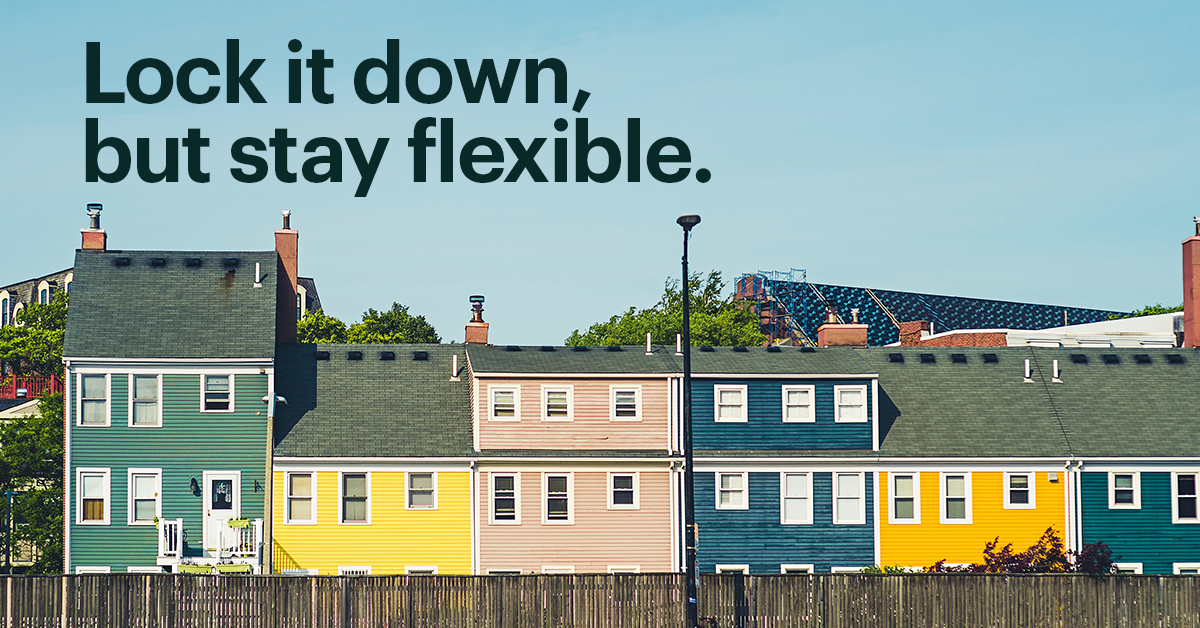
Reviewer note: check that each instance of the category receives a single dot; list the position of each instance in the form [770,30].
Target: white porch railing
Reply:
[242,542]
[170,538]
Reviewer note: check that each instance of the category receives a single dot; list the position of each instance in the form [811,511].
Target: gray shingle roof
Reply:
[172,311]
[754,360]
[371,407]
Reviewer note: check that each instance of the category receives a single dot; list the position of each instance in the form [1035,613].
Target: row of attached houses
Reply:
[201,435]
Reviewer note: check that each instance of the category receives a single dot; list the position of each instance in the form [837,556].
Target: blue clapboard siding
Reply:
[765,429]
[1144,535]
[189,443]
[756,537]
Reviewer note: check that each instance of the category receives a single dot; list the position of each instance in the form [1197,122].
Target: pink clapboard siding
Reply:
[598,538]
[591,427]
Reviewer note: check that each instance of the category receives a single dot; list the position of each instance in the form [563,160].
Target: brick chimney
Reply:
[287,243]
[911,332]
[835,334]
[477,330]
[94,238]
[1191,289]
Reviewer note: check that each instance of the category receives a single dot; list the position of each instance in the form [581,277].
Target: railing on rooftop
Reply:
[35,386]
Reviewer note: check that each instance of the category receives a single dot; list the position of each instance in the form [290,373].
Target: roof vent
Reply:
[192,262]
[927,358]
[580,349]
[1111,358]
[1078,358]
[420,356]
[387,356]
[158,262]
[774,349]
[322,355]
[707,349]
[808,349]
[512,348]
[1174,358]
[958,358]
[896,358]
[120,261]
[229,261]
[354,355]
[546,348]
[1142,358]
[740,349]
[990,358]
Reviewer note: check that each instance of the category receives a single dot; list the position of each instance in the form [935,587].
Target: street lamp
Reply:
[689,501]
[8,523]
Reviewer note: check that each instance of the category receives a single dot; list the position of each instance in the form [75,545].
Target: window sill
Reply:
[92,523]
[300,523]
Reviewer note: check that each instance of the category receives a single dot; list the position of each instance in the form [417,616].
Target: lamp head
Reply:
[688,221]
[475,298]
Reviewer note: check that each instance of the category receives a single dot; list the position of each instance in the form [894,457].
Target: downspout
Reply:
[67,466]
[269,481]
[475,506]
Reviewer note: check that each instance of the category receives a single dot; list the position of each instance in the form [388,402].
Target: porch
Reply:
[240,543]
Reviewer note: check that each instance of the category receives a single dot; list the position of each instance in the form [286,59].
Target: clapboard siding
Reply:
[187,444]
[1144,535]
[592,426]
[765,429]
[756,537]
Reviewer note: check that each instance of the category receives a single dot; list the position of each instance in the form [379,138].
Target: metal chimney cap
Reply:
[287,218]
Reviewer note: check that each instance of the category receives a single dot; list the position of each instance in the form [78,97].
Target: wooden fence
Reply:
[599,601]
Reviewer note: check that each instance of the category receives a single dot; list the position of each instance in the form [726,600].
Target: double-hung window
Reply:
[504,497]
[1183,488]
[145,485]
[622,491]
[798,404]
[216,393]
[556,403]
[556,488]
[906,498]
[730,403]
[504,404]
[93,400]
[301,498]
[92,487]
[732,493]
[795,498]
[849,498]
[1125,490]
[356,498]
[145,401]
[625,406]
[1019,490]
[850,404]
[422,491]
[956,498]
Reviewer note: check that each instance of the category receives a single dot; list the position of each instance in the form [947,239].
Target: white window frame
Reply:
[107,400]
[408,488]
[862,498]
[916,497]
[837,406]
[807,519]
[287,498]
[1175,518]
[232,392]
[12,316]
[83,570]
[1032,479]
[845,570]
[812,403]
[742,569]
[157,569]
[504,572]
[420,570]
[545,409]
[797,569]
[342,502]
[354,570]
[107,474]
[1112,490]
[942,497]
[558,570]
[159,401]
[516,476]
[745,406]
[491,401]
[637,402]
[546,520]
[311,571]
[624,569]
[157,473]
[745,489]
[637,490]
[1136,568]
[1176,568]
[5,299]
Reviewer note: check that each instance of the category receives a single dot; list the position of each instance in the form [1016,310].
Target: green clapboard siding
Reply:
[188,443]
[1145,535]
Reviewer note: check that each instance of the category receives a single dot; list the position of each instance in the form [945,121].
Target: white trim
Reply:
[287,498]
[1137,490]
[383,465]
[159,401]
[745,490]
[144,569]
[546,520]
[561,570]
[1176,568]
[207,476]
[104,472]
[491,402]
[1175,518]
[1135,568]
[5,300]
[157,474]
[1031,478]
[742,569]
[408,487]
[232,391]
[82,570]
[916,497]
[342,503]
[807,519]
[107,401]
[624,569]
[837,403]
[249,362]
[862,498]
[516,476]
[421,570]
[784,375]
[637,402]
[797,568]
[812,403]
[504,572]
[845,570]
[875,431]
[637,491]
[744,406]
[942,497]
[354,570]
[544,411]
[300,572]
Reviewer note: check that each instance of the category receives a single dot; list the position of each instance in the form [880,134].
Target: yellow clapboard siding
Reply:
[395,537]
[921,545]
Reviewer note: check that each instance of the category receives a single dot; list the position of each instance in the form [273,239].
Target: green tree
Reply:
[715,320]
[1149,310]
[394,326]
[319,327]
[31,461]
[34,344]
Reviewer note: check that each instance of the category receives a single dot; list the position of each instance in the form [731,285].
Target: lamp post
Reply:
[689,502]
[8,523]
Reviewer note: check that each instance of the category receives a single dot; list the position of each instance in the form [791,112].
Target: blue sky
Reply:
[1011,151]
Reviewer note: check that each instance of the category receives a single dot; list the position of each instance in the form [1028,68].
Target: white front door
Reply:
[222,502]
